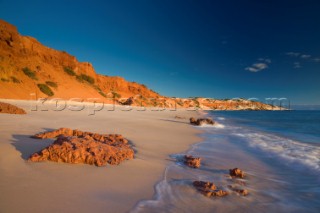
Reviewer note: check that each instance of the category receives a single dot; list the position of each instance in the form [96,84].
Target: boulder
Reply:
[203,185]
[193,120]
[11,109]
[242,192]
[201,121]
[191,161]
[219,193]
[236,173]
[74,146]
[128,101]
[55,133]
[208,189]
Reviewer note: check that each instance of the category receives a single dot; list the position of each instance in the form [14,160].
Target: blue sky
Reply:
[217,49]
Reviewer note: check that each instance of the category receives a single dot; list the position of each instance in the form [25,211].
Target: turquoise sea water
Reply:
[301,125]
[278,150]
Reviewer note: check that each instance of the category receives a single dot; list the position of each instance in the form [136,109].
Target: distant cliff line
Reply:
[28,67]
[159,104]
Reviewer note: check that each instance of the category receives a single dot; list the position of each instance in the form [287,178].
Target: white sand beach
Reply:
[59,187]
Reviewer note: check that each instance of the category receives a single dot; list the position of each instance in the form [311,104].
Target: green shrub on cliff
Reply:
[4,80]
[69,71]
[86,78]
[15,80]
[116,95]
[31,74]
[45,89]
[102,93]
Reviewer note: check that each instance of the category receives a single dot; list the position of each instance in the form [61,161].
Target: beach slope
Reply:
[60,187]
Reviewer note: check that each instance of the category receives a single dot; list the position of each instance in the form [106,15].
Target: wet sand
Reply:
[274,185]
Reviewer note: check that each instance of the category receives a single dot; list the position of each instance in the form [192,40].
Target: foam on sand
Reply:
[216,125]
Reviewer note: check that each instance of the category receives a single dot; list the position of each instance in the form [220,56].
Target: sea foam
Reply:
[221,118]
[216,125]
[287,149]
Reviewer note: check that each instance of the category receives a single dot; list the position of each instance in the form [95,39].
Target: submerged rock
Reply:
[74,146]
[242,192]
[208,189]
[201,121]
[192,161]
[219,193]
[236,173]
[203,185]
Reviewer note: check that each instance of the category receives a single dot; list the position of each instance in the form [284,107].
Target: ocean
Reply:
[278,150]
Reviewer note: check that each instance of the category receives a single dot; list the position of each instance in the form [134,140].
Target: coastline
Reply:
[271,174]
[29,186]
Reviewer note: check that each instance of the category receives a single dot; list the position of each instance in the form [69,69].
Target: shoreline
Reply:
[155,135]
[271,178]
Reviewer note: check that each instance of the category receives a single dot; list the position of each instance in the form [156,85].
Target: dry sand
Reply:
[59,187]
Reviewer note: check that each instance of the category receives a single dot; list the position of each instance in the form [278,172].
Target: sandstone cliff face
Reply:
[18,52]
[30,70]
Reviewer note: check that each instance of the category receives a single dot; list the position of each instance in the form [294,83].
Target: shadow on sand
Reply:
[175,121]
[27,145]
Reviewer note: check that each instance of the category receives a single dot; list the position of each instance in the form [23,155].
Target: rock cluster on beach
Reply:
[201,121]
[192,162]
[10,109]
[208,189]
[242,192]
[74,146]
[236,172]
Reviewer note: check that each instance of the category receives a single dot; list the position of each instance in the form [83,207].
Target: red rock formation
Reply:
[74,146]
[127,102]
[55,133]
[18,52]
[208,189]
[192,161]
[203,185]
[201,121]
[193,121]
[242,192]
[219,193]
[10,109]
[236,173]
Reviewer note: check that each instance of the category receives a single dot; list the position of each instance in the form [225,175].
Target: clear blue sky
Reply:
[218,49]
